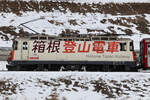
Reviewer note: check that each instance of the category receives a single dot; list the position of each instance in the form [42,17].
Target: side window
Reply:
[123,47]
[15,45]
[148,48]
[131,46]
[25,46]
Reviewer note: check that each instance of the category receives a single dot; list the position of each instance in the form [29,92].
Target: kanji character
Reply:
[69,47]
[35,47]
[84,47]
[113,47]
[98,46]
[39,45]
[53,46]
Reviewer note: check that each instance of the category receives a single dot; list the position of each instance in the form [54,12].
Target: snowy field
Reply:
[73,85]
[3,65]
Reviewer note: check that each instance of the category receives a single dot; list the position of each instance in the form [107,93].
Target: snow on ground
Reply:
[74,85]
[5,43]
[3,65]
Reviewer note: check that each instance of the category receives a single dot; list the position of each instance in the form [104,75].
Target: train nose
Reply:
[134,55]
[11,56]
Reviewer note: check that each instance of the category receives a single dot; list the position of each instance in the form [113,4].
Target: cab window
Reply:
[148,48]
[131,46]
[15,45]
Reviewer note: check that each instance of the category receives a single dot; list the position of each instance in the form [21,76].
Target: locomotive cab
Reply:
[19,53]
[10,59]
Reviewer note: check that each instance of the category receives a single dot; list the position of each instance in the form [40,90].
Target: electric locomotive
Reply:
[82,52]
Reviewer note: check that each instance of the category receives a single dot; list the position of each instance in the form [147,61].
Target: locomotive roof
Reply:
[146,39]
[82,37]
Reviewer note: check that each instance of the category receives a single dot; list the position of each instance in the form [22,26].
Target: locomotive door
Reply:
[24,51]
[148,55]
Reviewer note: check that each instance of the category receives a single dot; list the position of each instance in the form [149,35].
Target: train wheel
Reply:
[13,68]
[54,68]
[106,68]
[130,69]
[40,67]
[17,68]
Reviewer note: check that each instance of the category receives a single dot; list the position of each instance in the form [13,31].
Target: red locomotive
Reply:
[145,53]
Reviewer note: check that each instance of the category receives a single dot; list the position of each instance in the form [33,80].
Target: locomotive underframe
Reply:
[72,65]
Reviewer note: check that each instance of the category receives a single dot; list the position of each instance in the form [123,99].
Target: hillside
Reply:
[74,16]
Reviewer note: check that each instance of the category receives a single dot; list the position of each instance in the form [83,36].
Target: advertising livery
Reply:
[78,52]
